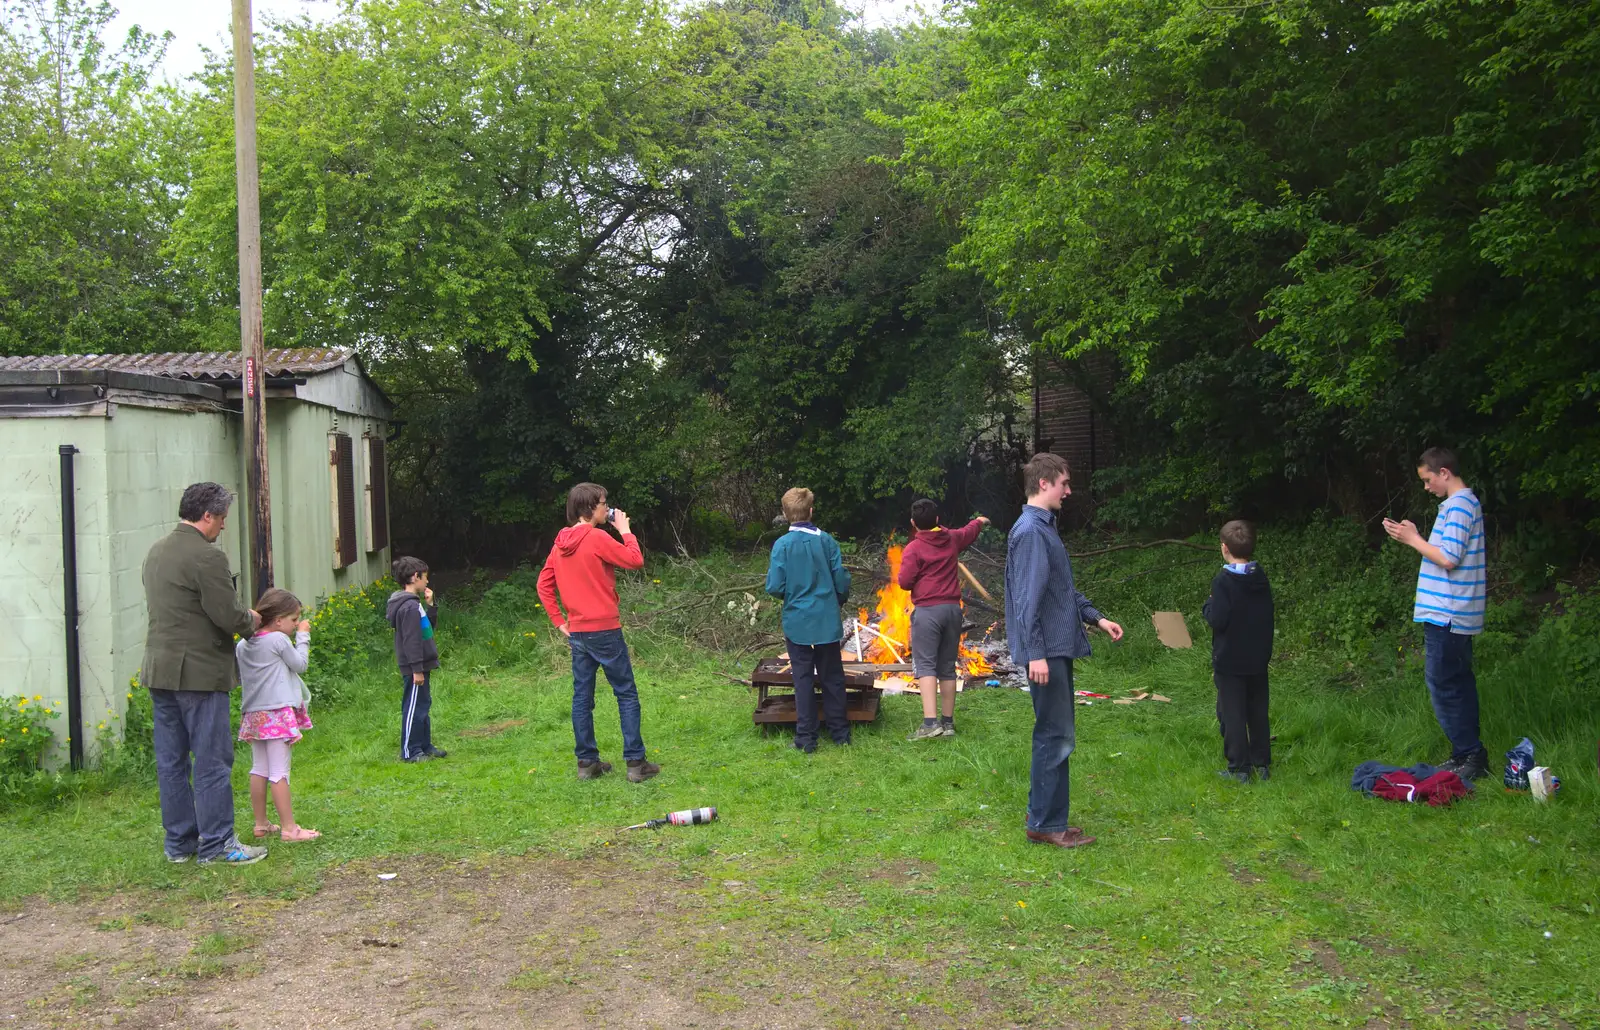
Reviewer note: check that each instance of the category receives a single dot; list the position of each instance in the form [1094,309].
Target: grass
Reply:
[1291,903]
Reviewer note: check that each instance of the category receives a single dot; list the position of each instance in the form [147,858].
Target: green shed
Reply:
[127,433]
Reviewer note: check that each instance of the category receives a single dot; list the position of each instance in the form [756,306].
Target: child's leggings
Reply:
[270,758]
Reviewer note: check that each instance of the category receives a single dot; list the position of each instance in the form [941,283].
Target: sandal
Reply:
[269,831]
[300,834]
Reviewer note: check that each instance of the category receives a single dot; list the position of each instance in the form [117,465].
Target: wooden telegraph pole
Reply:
[254,375]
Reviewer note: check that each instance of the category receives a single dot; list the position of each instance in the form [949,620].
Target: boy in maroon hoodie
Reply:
[582,568]
[928,570]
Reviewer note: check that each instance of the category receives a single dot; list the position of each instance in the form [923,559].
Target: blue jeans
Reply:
[198,817]
[1452,687]
[592,651]
[1054,737]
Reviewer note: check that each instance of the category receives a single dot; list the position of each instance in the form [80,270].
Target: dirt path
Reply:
[525,943]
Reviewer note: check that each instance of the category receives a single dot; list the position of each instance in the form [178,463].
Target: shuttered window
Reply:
[342,467]
[377,494]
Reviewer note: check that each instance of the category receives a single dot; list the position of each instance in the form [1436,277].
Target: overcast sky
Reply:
[205,23]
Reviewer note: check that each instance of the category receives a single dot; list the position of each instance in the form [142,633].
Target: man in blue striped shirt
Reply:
[1452,595]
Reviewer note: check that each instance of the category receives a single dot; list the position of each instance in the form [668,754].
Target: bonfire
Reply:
[883,637]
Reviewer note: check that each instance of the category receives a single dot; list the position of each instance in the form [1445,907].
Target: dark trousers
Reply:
[416,728]
[1055,736]
[815,665]
[1447,667]
[197,816]
[591,652]
[1242,714]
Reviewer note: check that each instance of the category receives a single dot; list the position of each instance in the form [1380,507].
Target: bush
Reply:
[25,738]
[349,635]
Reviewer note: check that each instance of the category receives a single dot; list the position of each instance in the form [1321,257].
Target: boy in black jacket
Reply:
[1240,613]
[412,614]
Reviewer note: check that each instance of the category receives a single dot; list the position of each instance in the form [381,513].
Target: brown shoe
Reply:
[640,770]
[588,770]
[1071,837]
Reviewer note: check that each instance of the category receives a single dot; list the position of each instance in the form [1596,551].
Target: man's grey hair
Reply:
[200,498]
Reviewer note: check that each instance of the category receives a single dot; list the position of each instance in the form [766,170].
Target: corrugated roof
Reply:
[203,365]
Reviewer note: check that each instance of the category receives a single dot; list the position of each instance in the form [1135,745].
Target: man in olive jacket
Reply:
[189,669]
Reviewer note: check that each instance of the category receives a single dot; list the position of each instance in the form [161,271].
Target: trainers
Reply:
[421,756]
[236,853]
[592,770]
[434,752]
[1473,767]
[179,859]
[1263,772]
[925,732]
[949,726]
[640,770]
[1237,777]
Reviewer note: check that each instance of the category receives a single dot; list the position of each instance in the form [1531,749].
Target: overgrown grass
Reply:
[1291,903]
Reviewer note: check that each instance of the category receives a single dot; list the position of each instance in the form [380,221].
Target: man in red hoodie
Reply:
[928,570]
[582,568]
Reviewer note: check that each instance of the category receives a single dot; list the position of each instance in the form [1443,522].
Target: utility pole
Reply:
[253,374]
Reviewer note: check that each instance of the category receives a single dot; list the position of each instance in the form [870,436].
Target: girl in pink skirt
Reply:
[275,703]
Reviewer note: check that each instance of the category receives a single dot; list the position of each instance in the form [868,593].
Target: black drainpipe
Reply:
[69,577]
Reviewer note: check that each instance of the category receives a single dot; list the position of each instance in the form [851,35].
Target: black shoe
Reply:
[1473,767]
[1263,772]
[434,752]
[422,756]
[1237,777]
[808,746]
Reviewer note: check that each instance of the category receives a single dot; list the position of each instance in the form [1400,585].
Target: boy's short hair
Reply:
[798,503]
[275,603]
[581,500]
[924,513]
[1239,537]
[1435,458]
[406,569]
[1043,465]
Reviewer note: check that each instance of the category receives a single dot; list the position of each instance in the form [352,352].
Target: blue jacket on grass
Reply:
[807,571]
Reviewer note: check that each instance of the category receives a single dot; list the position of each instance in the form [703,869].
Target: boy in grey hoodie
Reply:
[412,614]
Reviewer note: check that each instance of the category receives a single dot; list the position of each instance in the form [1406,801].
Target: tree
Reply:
[88,185]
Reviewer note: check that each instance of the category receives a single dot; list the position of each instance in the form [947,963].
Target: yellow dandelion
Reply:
[101,726]
[24,729]
[36,697]
[1022,904]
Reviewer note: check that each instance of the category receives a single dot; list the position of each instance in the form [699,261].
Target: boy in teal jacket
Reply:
[807,571]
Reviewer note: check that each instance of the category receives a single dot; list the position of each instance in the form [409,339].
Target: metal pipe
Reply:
[69,606]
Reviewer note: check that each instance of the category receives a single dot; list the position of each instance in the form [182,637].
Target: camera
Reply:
[611,514]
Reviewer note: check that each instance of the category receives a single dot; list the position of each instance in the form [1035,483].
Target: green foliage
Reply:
[89,183]
[25,737]
[349,635]
[1316,236]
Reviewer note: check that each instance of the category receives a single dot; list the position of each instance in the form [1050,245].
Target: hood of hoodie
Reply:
[568,540]
[397,599]
[1252,582]
[937,539]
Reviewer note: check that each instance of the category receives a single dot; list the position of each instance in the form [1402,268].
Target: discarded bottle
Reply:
[687,817]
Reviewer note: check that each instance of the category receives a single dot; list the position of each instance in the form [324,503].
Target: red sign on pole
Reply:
[249,377]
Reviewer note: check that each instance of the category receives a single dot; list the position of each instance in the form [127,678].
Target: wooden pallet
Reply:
[862,695]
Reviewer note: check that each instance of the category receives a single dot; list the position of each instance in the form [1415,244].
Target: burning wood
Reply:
[882,637]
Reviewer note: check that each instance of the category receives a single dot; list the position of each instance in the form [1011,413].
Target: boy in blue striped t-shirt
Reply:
[1452,594]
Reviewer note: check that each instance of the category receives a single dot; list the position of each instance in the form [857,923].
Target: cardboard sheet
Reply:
[1171,630]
